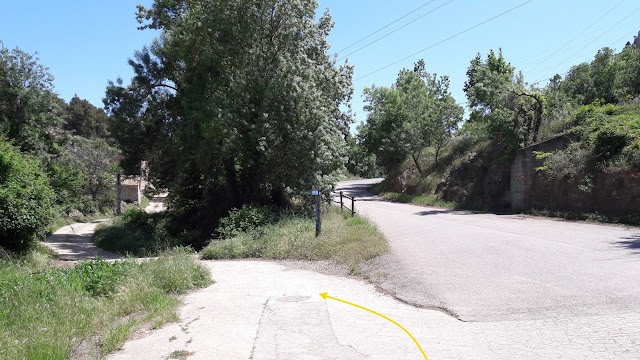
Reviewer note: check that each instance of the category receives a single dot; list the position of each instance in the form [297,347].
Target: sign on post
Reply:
[318,219]
[316,192]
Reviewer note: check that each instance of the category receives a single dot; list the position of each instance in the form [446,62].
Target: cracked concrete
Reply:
[298,324]
[522,288]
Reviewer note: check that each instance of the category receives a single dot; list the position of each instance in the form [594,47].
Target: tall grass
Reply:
[46,313]
[346,240]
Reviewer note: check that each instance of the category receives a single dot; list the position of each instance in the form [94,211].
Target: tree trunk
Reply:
[415,160]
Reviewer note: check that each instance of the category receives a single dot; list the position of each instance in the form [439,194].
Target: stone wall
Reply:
[130,192]
[614,193]
[523,173]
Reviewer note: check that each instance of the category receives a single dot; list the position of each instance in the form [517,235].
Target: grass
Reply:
[144,202]
[345,240]
[424,199]
[89,310]
[627,219]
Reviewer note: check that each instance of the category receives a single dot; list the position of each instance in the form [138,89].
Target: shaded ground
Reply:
[75,242]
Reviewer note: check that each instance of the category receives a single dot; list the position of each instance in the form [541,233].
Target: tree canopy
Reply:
[86,120]
[503,107]
[416,112]
[30,112]
[237,102]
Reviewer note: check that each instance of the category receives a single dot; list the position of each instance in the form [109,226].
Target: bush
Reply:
[26,199]
[135,232]
[247,219]
[46,313]
[346,240]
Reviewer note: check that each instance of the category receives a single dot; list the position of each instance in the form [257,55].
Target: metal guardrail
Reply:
[342,205]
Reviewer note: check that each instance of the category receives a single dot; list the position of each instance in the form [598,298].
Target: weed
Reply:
[346,240]
[46,312]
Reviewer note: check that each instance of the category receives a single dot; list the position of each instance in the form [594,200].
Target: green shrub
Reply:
[248,218]
[176,271]
[346,240]
[46,313]
[99,277]
[135,232]
[26,199]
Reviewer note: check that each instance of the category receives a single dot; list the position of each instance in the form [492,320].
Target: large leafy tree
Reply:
[237,102]
[503,108]
[86,120]
[416,112]
[30,112]
[26,199]
[609,76]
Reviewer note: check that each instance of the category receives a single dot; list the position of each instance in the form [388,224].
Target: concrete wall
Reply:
[130,193]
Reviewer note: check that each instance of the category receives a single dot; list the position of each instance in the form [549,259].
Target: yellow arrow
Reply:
[326,295]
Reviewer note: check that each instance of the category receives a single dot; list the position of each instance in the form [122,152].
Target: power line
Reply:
[395,30]
[386,26]
[577,36]
[445,40]
[573,68]
[591,42]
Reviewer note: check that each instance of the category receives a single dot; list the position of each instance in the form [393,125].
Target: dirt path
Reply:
[75,243]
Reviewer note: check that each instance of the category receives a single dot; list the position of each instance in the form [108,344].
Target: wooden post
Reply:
[119,195]
[340,201]
[353,208]
[318,220]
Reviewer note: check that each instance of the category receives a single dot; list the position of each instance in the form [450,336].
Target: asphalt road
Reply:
[519,288]
[491,267]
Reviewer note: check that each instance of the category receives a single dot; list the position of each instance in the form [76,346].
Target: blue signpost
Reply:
[318,196]
[316,193]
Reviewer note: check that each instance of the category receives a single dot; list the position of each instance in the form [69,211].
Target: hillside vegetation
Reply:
[596,104]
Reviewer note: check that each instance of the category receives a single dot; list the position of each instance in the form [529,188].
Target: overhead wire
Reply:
[577,36]
[395,30]
[576,67]
[386,26]
[447,39]
[588,44]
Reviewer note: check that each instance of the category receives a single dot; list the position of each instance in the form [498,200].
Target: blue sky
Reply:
[85,43]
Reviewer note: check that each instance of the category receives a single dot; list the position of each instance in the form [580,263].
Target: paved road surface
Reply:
[523,289]
[74,242]
[485,267]
[266,311]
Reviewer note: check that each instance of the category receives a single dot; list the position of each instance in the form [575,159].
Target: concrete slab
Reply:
[264,310]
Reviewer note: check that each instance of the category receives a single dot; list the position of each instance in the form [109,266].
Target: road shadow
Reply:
[444,211]
[75,243]
[631,243]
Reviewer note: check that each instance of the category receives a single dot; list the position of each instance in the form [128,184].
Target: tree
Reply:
[30,112]
[503,108]
[86,120]
[430,111]
[237,102]
[26,199]
[627,76]
[361,162]
[416,112]
[609,76]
